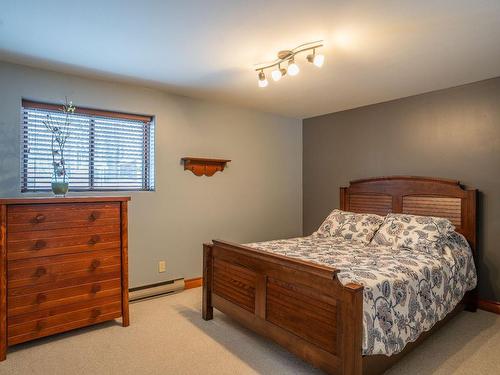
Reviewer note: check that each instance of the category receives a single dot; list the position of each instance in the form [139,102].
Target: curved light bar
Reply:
[289,57]
[286,55]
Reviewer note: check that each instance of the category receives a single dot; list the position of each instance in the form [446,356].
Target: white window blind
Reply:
[105,151]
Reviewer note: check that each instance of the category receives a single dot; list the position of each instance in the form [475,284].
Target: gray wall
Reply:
[453,133]
[257,197]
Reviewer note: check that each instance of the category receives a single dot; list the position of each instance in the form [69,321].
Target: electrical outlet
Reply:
[162,266]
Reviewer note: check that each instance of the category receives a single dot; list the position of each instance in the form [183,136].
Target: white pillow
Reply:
[350,225]
[403,231]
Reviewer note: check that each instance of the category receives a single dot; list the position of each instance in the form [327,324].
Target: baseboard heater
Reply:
[154,290]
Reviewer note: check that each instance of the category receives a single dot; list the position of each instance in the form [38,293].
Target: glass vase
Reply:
[60,184]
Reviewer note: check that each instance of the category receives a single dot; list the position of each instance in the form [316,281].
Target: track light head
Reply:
[293,68]
[317,60]
[262,79]
[278,73]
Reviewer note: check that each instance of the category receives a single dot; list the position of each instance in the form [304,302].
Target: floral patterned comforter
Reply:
[405,291]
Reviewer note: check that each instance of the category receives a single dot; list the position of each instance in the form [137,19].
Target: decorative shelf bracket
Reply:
[204,166]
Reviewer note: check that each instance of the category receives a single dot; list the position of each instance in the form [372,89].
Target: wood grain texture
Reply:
[204,166]
[63,265]
[86,111]
[41,314]
[73,324]
[3,281]
[124,260]
[434,206]
[416,195]
[490,306]
[311,353]
[40,213]
[261,296]
[193,283]
[207,307]
[52,200]
[40,327]
[47,270]
[352,329]
[63,238]
[234,283]
[293,302]
[62,295]
[73,226]
[303,306]
[379,204]
[64,283]
[302,312]
[42,246]
[269,263]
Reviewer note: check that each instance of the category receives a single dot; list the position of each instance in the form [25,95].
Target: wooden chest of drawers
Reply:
[63,265]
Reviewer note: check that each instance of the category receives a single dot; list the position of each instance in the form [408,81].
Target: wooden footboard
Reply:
[300,305]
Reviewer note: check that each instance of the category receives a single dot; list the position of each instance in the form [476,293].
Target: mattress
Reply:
[405,291]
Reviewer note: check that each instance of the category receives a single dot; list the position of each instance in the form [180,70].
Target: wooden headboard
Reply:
[414,195]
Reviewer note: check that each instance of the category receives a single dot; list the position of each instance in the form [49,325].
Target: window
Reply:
[105,151]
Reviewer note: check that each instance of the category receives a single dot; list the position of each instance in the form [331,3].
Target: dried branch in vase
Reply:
[60,132]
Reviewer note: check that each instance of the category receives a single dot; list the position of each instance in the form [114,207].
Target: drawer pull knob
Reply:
[94,216]
[40,271]
[94,239]
[41,298]
[95,263]
[40,244]
[40,325]
[95,313]
[95,288]
[39,219]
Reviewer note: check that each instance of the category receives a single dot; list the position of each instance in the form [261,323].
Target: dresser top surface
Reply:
[44,200]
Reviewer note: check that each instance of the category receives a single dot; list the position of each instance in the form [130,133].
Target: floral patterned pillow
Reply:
[350,225]
[424,233]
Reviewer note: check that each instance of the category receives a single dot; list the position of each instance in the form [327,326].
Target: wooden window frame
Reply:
[147,121]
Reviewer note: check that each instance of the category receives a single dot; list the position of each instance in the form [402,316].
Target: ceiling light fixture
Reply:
[289,56]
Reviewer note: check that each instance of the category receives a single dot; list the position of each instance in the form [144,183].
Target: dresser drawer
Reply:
[34,217]
[63,284]
[21,245]
[47,322]
[41,300]
[47,270]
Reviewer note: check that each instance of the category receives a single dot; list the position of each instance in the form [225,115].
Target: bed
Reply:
[318,310]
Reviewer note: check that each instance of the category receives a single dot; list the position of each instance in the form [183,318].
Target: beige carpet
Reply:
[168,336]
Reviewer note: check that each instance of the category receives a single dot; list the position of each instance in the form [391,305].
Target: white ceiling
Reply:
[375,50]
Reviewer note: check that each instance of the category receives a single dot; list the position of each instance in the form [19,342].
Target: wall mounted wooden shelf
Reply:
[204,166]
